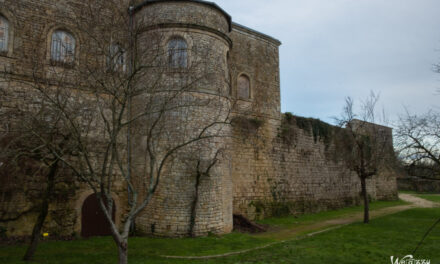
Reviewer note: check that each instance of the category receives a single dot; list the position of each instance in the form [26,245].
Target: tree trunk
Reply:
[366,201]
[36,232]
[194,207]
[123,252]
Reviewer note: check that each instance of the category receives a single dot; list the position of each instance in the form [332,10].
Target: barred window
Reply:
[63,47]
[4,33]
[177,53]
[116,60]
[243,87]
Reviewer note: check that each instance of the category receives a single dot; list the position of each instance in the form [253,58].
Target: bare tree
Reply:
[418,138]
[418,143]
[123,90]
[28,137]
[363,146]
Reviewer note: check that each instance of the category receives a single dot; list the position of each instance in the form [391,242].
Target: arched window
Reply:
[63,47]
[243,87]
[116,60]
[177,53]
[4,33]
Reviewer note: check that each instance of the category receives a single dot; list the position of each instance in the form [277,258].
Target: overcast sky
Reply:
[337,48]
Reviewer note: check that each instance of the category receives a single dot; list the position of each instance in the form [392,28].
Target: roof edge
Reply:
[211,4]
[255,32]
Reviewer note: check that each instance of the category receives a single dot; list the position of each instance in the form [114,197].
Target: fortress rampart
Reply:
[259,173]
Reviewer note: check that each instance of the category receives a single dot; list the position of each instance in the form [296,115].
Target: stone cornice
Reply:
[210,4]
[190,26]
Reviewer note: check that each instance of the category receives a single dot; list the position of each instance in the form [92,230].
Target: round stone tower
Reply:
[184,45]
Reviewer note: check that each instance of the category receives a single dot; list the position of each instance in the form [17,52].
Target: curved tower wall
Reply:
[200,97]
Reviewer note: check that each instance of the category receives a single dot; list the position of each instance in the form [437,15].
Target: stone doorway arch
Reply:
[93,221]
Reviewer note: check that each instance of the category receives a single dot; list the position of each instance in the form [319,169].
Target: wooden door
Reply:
[93,221]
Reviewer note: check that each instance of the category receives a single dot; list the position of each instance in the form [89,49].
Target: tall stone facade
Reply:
[204,28]
[260,175]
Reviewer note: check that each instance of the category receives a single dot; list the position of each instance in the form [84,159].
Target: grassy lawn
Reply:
[357,243]
[394,235]
[103,250]
[292,221]
[430,197]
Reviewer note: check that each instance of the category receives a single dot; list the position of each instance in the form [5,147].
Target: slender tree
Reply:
[363,146]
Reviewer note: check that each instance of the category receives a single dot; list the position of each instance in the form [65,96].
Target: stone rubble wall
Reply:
[204,86]
[418,184]
[259,175]
[273,177]
[31,24]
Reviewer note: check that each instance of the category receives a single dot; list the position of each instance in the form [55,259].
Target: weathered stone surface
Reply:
[418,184]
[259,174]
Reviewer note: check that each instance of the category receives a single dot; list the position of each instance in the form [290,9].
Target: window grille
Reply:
[63,47]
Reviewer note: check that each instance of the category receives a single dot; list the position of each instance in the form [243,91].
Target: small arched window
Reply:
[116,60]
[4,34]
[177,53]
[63,47]
[243,87]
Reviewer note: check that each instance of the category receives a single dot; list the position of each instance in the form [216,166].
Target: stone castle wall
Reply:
[271,176]
[274,177]
[259,175]
[417,184]
[31,24]
[205,79]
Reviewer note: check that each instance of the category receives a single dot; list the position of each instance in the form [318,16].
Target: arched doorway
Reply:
[93,221]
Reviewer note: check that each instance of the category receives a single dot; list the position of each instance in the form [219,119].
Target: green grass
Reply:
[291,221]
[430,197]
[408,192]
[103,250]
[393,235]
[353,242]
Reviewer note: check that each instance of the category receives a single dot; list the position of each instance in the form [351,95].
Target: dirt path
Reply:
[306,230]
[287,234]
[417,202]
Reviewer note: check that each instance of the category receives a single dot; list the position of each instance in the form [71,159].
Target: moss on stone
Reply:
[315,127]
[260,208]
[279,209]
[247,124]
